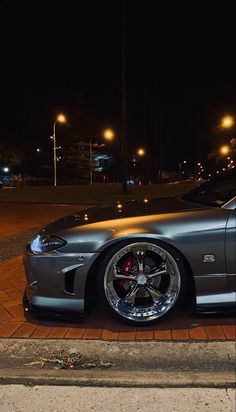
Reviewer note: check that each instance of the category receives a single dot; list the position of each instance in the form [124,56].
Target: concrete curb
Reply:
[199,356]
[108,378]
[203,356]
[136,364]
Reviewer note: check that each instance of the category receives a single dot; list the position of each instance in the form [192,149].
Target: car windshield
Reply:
[215,192]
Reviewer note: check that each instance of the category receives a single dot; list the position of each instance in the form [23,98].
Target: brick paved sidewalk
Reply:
[99,325]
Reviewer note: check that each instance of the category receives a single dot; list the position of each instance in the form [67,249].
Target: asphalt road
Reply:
[57,398]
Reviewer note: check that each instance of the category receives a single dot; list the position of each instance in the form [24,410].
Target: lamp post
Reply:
[142,153]
[61,118]
[198,169]
[90,163]
[108,135]
[124,148]
[228,122]
[180,167]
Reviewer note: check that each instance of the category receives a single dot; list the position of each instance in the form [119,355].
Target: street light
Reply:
[5,169]
[141,152]
[227,122]
[224,150]
[109,135]
[61,118]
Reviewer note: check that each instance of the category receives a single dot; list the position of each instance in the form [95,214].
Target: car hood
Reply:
[121,210]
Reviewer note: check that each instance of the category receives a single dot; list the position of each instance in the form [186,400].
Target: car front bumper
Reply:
[56,282]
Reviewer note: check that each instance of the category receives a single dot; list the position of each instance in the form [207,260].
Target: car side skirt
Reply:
[212,290]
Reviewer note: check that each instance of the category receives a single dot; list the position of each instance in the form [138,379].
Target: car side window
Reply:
[222,192]
[214,193]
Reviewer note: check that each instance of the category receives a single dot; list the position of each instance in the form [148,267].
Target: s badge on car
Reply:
[209,258]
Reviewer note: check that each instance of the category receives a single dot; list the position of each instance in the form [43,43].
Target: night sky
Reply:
[66,56]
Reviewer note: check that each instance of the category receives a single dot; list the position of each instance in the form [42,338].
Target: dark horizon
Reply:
[68,58]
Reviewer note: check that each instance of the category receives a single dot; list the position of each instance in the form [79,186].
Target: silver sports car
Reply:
[142,258]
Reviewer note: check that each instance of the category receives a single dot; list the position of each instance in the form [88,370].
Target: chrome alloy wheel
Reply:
[142,282]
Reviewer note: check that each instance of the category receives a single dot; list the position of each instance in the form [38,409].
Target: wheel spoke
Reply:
[140,260]
[157,273]
[155,295]
[123,274]
[161,270]
[130,297]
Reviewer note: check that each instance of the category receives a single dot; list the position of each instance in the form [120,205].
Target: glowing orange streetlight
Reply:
[225,150]
[227,122]
[61,118]
[141,152]
[108,135]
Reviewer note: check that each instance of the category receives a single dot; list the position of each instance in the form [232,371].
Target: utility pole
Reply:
[159,120]
[54,154]
[124,102]
[90,163]
[145,123]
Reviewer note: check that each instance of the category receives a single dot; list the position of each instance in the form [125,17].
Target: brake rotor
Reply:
[130,265]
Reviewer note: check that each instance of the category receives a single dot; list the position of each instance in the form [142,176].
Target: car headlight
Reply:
[45,243]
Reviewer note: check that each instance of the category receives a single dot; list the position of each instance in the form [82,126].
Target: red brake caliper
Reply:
[127,266]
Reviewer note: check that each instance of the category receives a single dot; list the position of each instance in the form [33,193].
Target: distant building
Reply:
[102,162]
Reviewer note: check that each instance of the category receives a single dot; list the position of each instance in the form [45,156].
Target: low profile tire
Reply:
[141,281]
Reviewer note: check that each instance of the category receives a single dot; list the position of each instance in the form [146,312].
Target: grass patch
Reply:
[97,193]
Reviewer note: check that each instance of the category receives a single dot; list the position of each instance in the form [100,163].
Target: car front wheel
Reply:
[141,281]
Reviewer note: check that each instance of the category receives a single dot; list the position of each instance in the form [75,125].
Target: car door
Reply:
[231,250]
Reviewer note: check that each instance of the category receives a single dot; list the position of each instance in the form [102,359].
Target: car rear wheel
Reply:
[141,281]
